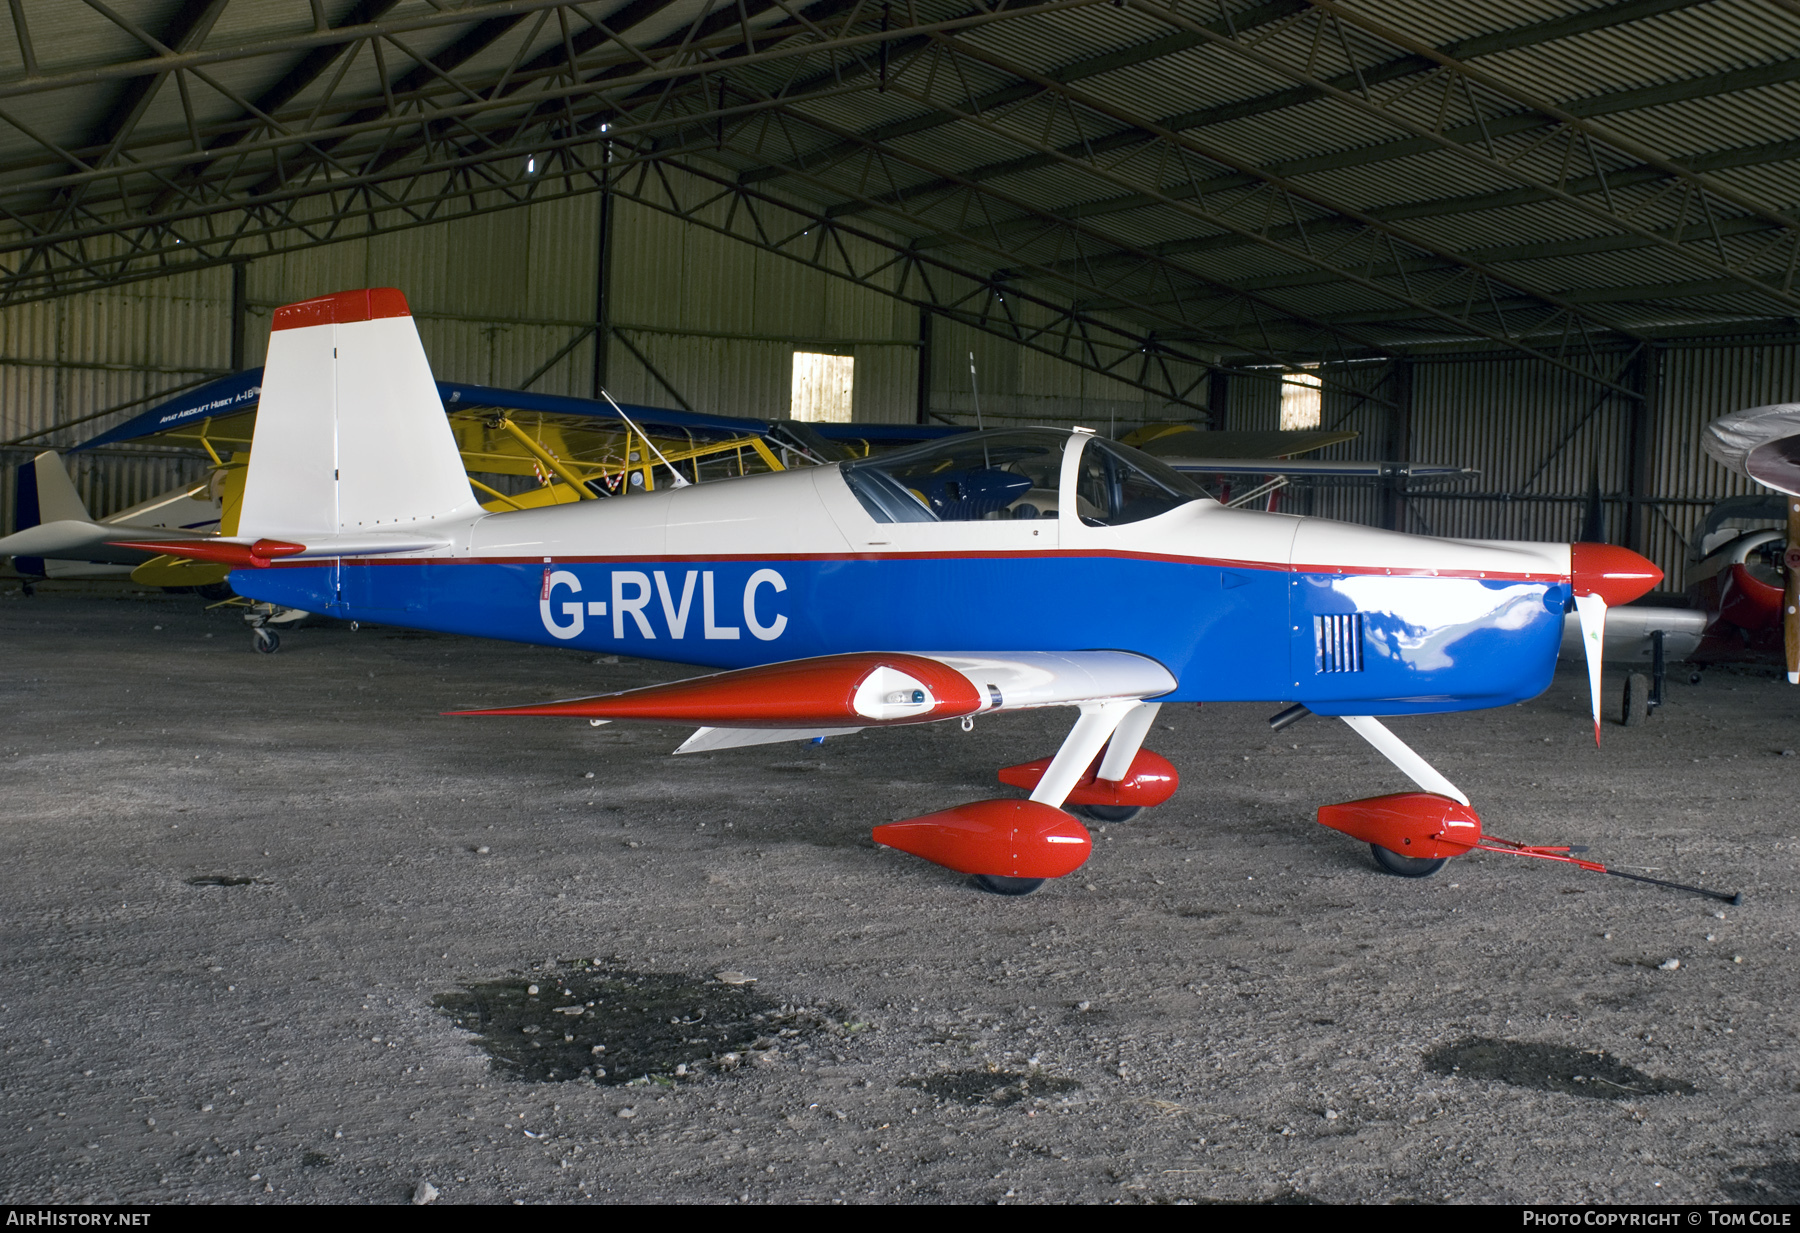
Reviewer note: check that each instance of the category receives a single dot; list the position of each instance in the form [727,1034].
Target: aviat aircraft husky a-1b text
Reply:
[985,572]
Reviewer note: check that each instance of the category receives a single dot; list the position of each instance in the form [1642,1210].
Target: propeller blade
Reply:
[1790,602]
[1591,610]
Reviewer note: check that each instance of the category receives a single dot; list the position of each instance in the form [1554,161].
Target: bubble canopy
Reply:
[1017,474]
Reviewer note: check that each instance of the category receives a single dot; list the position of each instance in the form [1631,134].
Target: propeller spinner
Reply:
[1603,575]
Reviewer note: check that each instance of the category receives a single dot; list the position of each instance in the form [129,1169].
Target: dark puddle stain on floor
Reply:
[1775,1182]
[573,1021]
[222,879]
[1549,1068]
[990,1087]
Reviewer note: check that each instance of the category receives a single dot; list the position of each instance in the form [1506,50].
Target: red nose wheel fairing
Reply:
[1426,827]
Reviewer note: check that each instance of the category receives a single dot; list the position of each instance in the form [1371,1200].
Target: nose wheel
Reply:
[266,641]
[1406,866]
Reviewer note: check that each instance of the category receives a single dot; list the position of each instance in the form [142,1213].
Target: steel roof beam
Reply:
[1278,198]
[1091,66]
[1280,100]
[796,42]
[1347,344]
[1503,126]
[1468,95]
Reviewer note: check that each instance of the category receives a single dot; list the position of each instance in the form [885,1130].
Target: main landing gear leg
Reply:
[1420,772]
[1099,722]
[1127,739]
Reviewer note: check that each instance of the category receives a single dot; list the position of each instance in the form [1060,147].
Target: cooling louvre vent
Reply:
[1340,643]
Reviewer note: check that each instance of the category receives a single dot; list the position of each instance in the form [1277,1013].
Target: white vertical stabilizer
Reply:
[350,434]
[56,496]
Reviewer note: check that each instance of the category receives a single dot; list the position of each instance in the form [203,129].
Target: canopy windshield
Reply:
[1118,484]
[974,476]
[1017,473]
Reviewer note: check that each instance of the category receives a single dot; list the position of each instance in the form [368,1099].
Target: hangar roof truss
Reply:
[1145,187]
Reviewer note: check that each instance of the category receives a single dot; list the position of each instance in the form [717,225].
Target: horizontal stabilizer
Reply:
[245,553]
[707,739]
[256,555]
[69,538]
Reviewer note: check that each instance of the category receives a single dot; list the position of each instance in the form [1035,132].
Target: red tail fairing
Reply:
[257,555]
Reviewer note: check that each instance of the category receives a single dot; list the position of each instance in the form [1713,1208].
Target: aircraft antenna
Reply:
[681,481]
[976,392]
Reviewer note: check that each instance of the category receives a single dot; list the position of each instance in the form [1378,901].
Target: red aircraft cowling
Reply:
[1151,780]
[1419,824]
[1749,602]
[1008,839]
[1617,575]
[803,693]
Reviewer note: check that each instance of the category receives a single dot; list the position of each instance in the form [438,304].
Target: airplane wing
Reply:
[835,694]
[1316,467]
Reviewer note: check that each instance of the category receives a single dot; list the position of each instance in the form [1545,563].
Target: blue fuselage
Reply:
[1358,641]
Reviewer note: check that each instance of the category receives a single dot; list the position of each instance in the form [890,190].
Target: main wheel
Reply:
[266,641]
[994,884]
[1634,706]
[1406,866]
[1111,813]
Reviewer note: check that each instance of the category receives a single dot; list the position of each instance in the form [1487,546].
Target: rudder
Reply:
[350,434]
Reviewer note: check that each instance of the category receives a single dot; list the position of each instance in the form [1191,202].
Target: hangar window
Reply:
[822,386]
[1299,400]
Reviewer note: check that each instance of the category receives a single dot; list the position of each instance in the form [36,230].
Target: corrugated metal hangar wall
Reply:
[698,318]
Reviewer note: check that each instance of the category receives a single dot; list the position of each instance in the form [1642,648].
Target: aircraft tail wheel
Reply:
[1406,866]
[28,588]
[1110,813]
[1635,708]
[994,884]
[266,641]
[1693,678]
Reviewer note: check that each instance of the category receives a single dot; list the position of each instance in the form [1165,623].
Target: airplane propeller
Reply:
[1591,611]
[1602,575]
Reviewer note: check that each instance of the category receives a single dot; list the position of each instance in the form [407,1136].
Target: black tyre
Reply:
[266,641]
[215,591]
[28,588]
[1634,704]
[1110,813]
[1406,866]
[994,884]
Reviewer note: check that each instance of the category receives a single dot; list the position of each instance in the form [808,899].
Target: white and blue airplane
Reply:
[984,572]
